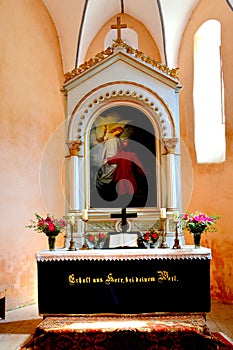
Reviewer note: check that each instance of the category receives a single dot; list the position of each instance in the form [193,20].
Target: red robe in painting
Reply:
[127,164]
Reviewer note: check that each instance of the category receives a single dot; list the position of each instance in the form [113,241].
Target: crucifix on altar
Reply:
[118,26]
[124,215]
[123,239]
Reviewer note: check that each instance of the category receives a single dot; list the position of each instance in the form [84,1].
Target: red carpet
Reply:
[111,332]
[224,339]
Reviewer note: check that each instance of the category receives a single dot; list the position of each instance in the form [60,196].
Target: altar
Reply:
[123,178]
[123,281]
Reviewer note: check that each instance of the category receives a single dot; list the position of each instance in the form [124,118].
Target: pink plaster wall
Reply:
[32,115]
[32,142]
[211,187]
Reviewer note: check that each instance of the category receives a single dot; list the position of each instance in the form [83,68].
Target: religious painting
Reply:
[122,159]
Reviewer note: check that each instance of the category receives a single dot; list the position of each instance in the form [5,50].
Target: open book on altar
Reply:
[123,240]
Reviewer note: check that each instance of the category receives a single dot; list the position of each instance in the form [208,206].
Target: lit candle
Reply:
[163,213]
[176,216]
[85,214]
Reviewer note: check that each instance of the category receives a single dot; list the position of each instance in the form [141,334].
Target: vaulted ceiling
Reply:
[78,21]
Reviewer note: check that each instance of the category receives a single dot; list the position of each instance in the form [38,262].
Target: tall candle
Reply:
[163,213]
[85,214]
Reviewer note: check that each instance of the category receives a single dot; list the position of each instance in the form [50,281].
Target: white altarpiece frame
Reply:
[97,96]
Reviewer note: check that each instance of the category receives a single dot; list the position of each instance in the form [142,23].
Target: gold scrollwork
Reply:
[74,147]
[170,144]
[130,50]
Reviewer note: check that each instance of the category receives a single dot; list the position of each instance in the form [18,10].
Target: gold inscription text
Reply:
[160,277]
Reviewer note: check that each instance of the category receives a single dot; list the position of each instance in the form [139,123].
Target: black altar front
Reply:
[123,281]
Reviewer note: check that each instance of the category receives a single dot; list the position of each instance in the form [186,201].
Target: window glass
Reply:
[208,94]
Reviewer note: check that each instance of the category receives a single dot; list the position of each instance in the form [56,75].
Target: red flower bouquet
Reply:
[150,236]
[96,240]
[49,225]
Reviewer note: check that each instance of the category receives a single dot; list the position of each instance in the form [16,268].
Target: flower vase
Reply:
[51,242]
[152,245]
[101,244]
[141,243]
[197,240]
[146,244]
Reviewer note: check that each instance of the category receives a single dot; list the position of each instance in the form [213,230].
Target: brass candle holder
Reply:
[176,240]
[163,243]
[85,245]
[72,242]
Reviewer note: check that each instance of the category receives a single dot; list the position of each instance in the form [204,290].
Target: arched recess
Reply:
[80,124]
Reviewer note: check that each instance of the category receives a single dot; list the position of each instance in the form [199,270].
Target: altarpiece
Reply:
[122,97]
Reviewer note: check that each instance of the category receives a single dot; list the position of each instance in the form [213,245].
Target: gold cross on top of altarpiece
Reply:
[118,26]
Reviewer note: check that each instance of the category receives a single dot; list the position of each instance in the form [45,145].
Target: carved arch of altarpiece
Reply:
[80,124]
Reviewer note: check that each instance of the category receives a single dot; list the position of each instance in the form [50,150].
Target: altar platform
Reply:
[124,281]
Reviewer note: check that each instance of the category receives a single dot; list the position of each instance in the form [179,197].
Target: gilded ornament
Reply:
[74,147]
[110,50]
[170,144]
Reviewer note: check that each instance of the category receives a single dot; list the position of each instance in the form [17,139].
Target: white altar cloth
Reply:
[186,252]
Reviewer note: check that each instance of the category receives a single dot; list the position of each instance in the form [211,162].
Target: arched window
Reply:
[208,94]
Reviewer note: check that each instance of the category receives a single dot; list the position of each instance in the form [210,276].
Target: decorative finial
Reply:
[118,26]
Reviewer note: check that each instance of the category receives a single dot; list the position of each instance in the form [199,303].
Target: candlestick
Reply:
[163,243]
[163,214]
[176,216]
[72,218]
[85,219]
[72,242]
[176,240]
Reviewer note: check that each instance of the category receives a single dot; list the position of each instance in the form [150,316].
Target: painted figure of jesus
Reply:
[127,180]
[122,159]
